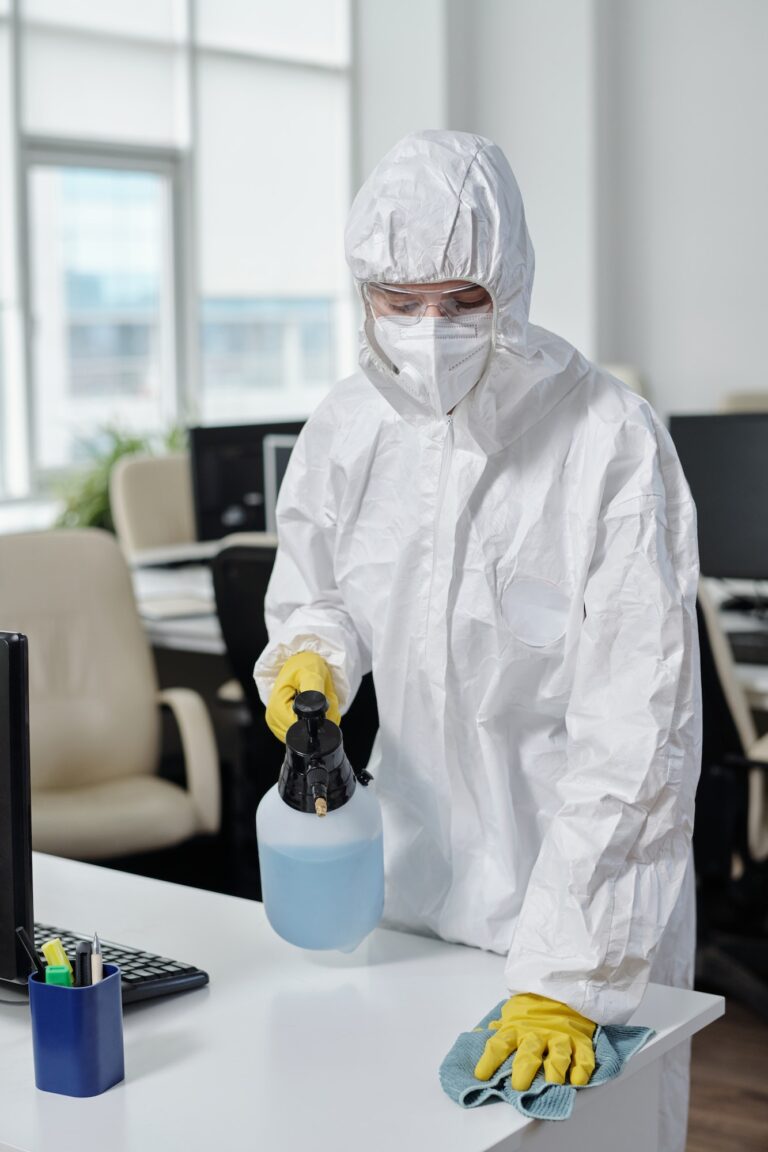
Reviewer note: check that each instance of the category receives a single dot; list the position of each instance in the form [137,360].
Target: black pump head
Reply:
[310,706]
[316,776]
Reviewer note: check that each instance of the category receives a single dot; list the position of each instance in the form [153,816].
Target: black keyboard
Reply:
[143,975]
[749,647]
[744,604]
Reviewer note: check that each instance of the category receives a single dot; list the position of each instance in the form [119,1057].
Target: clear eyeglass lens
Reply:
[409,307]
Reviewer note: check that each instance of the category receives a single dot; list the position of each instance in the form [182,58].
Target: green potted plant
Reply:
[85,493]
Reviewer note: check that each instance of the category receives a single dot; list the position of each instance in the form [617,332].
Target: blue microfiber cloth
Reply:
[614,1044]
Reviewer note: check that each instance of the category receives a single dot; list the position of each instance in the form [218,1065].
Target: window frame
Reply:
[172,165]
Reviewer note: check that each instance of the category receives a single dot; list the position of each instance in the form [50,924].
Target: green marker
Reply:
[59,974]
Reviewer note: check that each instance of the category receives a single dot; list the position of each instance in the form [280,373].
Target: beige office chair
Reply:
[94,704]
[628,375]
[745,402]
[151,501]
[754,748]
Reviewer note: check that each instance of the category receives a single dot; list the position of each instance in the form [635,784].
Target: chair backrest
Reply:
[151,501]
[628,374]
[93,714]
[241,571]
[744,402]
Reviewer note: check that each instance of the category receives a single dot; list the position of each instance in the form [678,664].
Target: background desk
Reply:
[198,634]
[201,633]
[754,677]
[288,1050]
[195,633]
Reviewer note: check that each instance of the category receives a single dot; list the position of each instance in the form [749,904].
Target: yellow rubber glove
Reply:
[534,1025]
[304,672]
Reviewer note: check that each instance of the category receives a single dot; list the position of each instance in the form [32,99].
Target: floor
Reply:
[729,1085]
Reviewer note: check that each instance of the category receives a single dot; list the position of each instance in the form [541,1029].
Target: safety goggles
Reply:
[408,305]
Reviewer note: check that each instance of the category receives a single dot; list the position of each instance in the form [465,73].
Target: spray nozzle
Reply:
[317,785]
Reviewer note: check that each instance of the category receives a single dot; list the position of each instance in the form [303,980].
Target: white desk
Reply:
[754,677]
[192,552]
[175,597]
[187,634]
[288,1050]
[198,632]
[196,551]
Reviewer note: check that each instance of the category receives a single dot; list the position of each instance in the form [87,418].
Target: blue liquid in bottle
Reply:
[324,897]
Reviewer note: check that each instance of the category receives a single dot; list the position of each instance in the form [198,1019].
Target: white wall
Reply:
[683,179]
[401,75]
[522,72]
[636,129]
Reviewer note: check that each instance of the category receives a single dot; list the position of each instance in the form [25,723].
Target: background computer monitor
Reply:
[277,453]
[228,476]
[725,460]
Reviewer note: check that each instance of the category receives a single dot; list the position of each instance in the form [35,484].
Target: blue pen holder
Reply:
[77,1035]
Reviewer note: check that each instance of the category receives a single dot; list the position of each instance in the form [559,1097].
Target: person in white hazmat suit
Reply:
[503,534]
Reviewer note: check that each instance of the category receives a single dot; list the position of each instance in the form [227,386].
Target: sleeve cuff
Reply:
[275,655]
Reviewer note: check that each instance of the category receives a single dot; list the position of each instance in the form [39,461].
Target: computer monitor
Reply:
[228,476]
[277,453]
[15,807]
[144,975]
[725,460]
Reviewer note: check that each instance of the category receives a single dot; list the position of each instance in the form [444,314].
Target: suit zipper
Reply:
[442,483]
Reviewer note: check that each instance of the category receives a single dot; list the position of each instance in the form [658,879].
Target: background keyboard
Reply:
[143,974]
[750,647]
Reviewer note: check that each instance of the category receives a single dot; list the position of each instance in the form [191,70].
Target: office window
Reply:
[306,30]
[160,20]
[14,473]
[113,72]
[258,351]
[102,300]
[272,203]
[174,180]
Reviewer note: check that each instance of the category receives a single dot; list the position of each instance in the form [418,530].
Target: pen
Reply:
[30,950]
[83,964]
[53,950]
[97,966]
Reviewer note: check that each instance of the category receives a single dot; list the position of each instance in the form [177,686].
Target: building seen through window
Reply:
[250,345]
[103,304]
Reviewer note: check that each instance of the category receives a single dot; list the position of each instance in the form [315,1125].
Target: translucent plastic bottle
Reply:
[320,839]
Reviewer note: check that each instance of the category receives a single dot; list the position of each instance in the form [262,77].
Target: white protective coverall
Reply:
[521,578]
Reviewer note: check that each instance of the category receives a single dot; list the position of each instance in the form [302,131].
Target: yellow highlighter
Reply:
[54,953]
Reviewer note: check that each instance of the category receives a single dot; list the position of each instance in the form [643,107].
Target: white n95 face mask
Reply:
[438,361]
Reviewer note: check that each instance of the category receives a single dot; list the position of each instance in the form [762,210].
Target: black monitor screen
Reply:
[15,821]
[228,477]
[725,460]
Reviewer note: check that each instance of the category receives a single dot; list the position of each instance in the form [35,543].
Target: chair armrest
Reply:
[744,763]
[201,757]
